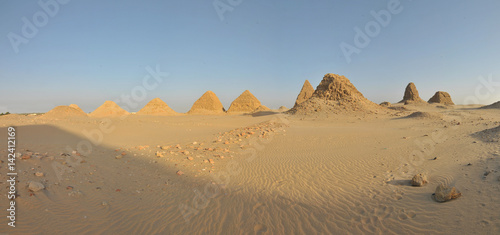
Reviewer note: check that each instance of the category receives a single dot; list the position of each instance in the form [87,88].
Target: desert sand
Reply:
[336,163]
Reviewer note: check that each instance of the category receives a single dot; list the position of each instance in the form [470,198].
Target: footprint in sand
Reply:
[260,229]
[406,215]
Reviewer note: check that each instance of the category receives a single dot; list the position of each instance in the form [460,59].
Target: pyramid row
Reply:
[207,104]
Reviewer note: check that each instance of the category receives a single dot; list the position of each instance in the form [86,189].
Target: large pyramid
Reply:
[156,107]
[441,97]
[245,103]
[62,111]
[208,103]
[335,94]
[411,95]
[109,109]
[305,93]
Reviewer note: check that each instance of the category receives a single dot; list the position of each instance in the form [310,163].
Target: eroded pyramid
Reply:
[109,109]
[156,107]
[305,93]
[208,103]
[246,102]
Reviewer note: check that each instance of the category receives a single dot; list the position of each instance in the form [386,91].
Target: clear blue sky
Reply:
[92,51]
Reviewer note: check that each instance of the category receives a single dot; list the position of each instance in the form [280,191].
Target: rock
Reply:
[441,97]
[26,157]
[179,173]
[35,186]
[178,146]
[385,104]
[211,161]
[190,158]
[39,174]
[445,193]
[419,180]
[165,147]
[118,156]
[159,154]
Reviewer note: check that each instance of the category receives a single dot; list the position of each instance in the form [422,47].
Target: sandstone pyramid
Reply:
[495,105]
[411,95]
[335,94]
[262,108]
[63,111]
[245,103]
[305,93]
[156,107]
[208,103]
[109,109]
[442,98]
[75,106]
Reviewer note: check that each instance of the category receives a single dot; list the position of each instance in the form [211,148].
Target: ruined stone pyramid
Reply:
[246,102]
[208,103]
[305,93]
[109,109]
[156,107]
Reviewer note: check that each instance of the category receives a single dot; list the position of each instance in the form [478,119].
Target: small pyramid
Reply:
[109,109]
[246,102]
[441,97]
[305,93]
[75,107]
[64,112]
[282,109]
[411,95]
[156,107]
[208,103]
[335,94]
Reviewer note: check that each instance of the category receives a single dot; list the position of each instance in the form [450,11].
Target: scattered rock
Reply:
[159,154]
[35,186]
[435,158]
[26,157]
[179,173]
[445,193]
[39,174]
[118,156]
[419,180]
[165,147]
[190,158]
[211,161]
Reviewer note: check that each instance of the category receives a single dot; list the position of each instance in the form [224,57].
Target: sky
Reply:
[85,52]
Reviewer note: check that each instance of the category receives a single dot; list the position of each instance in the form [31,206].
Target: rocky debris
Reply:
[178,146]
[441,97]
[305,93]
[179,172]
[445,193]
[39,174]
[245,103]
[156,107]
[64,112]
[109,109]
[419,180]
[385,104]
[35,186]
[159,154]
[165,147]
[411,95]
[190,158]
[208,103]
[119,156]
[491,135]
[211,161]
